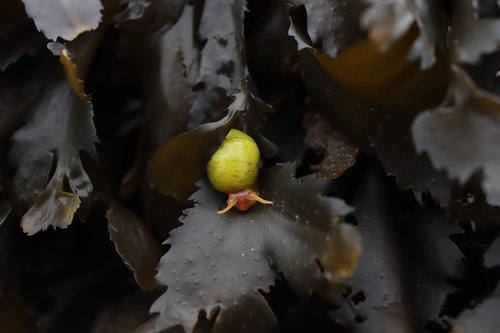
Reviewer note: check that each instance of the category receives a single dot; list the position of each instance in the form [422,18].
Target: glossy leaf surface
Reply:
[456,137]
[38,148]
[65,19]
[220,262]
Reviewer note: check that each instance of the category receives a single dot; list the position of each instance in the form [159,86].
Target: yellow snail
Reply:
[233,169]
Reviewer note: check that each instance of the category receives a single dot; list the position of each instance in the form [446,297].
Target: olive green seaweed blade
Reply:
[178,164]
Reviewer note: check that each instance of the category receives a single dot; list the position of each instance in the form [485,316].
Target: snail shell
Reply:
[234,168]
[235,165]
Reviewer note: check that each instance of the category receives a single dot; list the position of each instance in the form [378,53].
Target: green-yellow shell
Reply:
[235,165]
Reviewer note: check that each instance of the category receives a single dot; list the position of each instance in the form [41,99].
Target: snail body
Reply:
[234,169]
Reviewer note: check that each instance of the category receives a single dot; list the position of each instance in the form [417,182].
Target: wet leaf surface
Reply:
[412,170]
[169,92]
[332,24]
[383,297]
[219,66]
[194,148]
[352,92]
[471,36]
[157,14]
[483,318]
[136,245]
[412,84]
[388,21]
[179,182]
[53,153]
[457,136]
[38,148]
[245,253]
[362,79]
[65,19]
[208,75]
